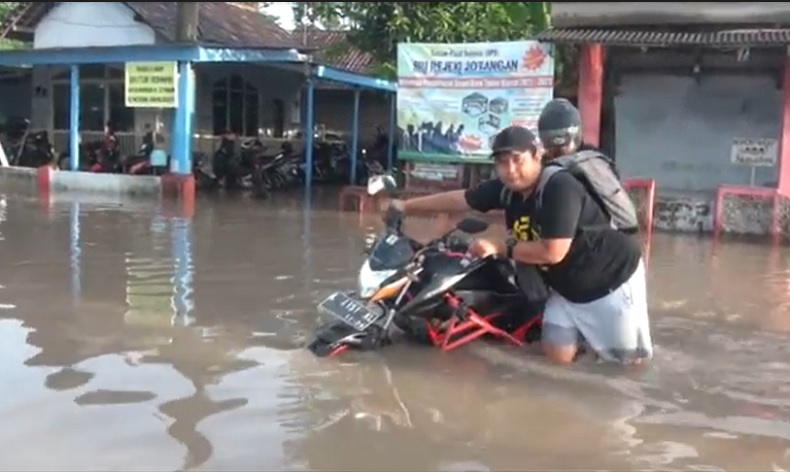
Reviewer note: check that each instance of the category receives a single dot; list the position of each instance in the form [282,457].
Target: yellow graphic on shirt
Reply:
[524,231]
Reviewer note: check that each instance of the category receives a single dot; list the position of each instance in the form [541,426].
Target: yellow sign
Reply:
[151,84]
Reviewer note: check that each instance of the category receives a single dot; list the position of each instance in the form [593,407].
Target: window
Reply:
[101,99]
[61,105]
[236,107]
[121,116]
[278,118]
[92,107]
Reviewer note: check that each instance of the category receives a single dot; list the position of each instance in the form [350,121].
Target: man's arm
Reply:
[559,218]
[483,198]
[452,201]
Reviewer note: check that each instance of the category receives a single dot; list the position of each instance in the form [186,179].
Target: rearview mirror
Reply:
[379,183]
[471,226]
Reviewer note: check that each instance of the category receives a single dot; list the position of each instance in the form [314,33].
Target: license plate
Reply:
[348,310]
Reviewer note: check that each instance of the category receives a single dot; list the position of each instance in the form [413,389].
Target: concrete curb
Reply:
[47,182]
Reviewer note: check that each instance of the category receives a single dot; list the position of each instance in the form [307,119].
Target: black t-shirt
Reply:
[600,259]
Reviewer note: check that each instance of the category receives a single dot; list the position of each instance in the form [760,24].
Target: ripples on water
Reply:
[134,339]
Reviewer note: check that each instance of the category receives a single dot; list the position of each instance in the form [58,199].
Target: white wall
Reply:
[86,24]
[680,132]
[271,83]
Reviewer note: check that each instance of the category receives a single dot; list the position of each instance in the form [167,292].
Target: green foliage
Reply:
[5,9]
[377,27]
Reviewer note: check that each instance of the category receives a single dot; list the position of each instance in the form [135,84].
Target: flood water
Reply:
[132,338]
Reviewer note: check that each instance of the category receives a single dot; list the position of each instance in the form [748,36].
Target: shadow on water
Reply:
[138,338]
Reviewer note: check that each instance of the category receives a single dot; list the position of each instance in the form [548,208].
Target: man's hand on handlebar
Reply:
[486,247]
[393,217]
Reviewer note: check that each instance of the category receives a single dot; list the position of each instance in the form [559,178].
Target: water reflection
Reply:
[75,250]
[181,234]
[186,340]
[178,339]
[374,416]
[307,242]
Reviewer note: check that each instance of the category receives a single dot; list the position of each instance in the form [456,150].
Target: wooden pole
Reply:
[187,21]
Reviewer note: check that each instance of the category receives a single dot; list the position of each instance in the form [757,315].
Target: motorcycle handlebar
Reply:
[450,238]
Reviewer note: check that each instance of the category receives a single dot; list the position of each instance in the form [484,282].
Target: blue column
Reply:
[75,251]
[355,136]
[183,121]
[309,129]
[391,137]
[181,253]
[74,118]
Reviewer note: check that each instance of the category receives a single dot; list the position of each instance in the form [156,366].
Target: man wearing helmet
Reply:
[594,271]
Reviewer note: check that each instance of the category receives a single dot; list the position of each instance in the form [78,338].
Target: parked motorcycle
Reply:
[436,293]
[25,148]
[278,172]
[203,171]
[149,159]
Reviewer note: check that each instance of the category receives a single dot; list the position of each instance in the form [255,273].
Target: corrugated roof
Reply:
[629,37]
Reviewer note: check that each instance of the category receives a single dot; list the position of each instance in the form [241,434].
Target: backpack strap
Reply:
[549,171]
[505,197]
[545,175]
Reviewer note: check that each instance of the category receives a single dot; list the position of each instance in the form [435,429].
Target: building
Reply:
[231,93]
[693,95]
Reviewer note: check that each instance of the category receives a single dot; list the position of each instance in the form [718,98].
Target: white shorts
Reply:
[616,327]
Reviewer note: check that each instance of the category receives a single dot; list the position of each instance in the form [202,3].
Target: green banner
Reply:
[454,98]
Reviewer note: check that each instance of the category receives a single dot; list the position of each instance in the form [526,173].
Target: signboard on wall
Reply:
[433,177]
[454,98]
[758,152]
[151,84]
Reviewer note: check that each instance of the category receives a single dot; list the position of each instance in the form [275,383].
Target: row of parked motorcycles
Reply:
[26,148]
[248,164]
[237,164]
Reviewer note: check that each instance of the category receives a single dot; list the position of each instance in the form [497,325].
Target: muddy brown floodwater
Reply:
[135,339]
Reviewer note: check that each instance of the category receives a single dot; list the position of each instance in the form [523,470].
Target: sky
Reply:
[284,11]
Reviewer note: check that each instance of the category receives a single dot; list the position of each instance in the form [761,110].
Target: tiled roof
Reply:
[629,37]
[331,47]
[224,23]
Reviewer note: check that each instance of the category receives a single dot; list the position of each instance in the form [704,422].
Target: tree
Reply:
[6,8]
[326,15]
[377,28]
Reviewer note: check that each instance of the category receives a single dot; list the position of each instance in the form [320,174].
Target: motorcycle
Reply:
[275,173]
[26,148]
[435,293]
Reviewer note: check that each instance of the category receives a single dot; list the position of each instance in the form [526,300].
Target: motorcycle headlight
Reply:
[370,280]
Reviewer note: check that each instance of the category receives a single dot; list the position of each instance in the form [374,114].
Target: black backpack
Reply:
[597,173]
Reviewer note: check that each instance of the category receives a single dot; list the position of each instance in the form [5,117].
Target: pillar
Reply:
[74,118]
[355,136]
[180,182]
[783,164]
[391,132]
[591,92]
[183,121]
[309,130]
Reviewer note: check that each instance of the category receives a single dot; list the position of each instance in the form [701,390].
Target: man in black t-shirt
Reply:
[595,273]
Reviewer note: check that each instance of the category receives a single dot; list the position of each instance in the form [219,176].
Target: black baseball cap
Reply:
[514,139]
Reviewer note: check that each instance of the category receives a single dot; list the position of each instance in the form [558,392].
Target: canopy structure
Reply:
[187,56]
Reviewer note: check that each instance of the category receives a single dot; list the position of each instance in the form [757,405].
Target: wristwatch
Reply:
[510,244]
